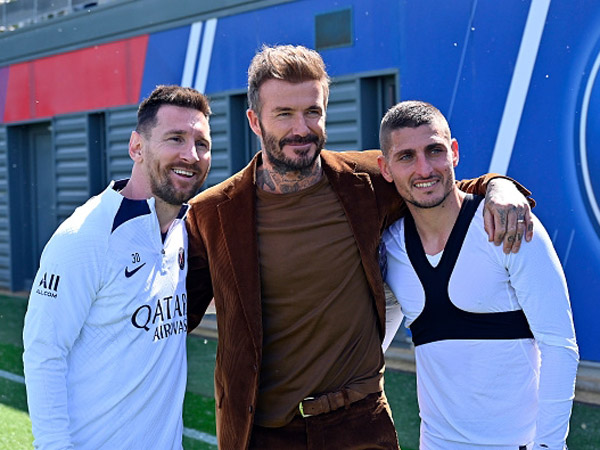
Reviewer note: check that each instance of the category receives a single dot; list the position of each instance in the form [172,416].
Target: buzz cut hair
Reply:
[408,114]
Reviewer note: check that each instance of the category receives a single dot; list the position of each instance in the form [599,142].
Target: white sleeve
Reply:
[541,289]
[393,317]
[61,296]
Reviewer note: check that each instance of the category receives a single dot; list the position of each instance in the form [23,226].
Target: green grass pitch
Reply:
[199,406]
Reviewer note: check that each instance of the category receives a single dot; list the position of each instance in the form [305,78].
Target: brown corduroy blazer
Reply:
[223,263]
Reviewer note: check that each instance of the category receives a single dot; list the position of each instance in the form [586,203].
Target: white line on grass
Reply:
[12,377]
[187,432]
[200,436]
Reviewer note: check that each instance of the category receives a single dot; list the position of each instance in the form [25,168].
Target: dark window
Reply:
[32,189]
[244,143]
[97,153]
[377,95]
[333,29]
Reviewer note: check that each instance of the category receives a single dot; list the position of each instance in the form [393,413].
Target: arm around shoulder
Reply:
[480,185]
[199,281]
[507,213]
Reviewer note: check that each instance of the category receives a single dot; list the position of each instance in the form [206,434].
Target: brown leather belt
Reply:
[313,406]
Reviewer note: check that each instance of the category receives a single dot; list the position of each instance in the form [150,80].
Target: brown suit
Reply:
[223,262]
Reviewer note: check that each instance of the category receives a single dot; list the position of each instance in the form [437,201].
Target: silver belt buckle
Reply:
[301,407]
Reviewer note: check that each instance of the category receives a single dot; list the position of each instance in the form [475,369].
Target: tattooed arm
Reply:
[507,215]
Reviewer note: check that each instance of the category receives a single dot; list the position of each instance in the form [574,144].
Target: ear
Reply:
[254,122]
[384,168]
[455,155]
[136,143]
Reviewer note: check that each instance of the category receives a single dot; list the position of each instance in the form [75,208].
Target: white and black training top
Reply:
[495,346]
[105,363]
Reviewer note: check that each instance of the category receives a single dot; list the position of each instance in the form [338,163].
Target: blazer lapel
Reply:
[238,223]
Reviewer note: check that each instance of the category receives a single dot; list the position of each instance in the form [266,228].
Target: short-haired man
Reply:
[481,319]
[288,248]
[105,330]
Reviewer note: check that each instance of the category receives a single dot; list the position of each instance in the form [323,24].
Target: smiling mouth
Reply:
[300,148]
[184,173]
[299,141]
[425,184]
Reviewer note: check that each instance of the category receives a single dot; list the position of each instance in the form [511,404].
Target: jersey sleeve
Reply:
[393,311]
[479,186]
[541,289]
[393,318]
[61,296]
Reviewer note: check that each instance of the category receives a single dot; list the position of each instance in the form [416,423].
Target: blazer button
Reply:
[250,409]
[255,367]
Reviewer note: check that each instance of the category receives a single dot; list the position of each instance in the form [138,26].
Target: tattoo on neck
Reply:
[282,182]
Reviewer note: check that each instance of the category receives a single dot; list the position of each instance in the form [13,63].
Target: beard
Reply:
[303,160]
[163,188]
[431,203]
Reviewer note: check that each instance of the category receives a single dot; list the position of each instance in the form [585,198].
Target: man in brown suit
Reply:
[288,249]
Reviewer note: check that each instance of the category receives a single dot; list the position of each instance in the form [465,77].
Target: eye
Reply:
[202,145]
[177,139]
[405,157]
[314,113]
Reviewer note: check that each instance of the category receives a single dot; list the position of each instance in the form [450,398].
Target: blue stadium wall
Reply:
[517,79]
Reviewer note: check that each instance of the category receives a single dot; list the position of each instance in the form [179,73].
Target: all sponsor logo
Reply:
[588,137]
[48,285]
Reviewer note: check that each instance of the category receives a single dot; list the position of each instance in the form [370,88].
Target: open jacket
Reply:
[223,262]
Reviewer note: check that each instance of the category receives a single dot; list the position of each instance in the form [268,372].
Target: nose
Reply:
[422,166]
[300,127]
[190,154]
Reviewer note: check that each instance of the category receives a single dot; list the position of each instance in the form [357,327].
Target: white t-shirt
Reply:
[493,394]
[105,363]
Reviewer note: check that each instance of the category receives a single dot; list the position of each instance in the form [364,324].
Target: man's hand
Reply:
[507,215]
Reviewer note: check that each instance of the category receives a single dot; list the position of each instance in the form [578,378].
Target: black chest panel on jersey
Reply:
[440,318]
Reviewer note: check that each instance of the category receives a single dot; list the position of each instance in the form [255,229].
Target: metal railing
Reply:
[15,14]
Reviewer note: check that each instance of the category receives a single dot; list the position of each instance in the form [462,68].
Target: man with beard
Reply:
[495,346]
[105,359]
[288,248]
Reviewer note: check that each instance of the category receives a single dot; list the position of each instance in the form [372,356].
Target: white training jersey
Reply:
[105,329]
[492,394]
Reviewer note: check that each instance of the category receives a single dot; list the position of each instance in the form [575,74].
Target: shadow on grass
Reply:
[11,358]
[199,413]
[201,365]
[12,395]
[12,315]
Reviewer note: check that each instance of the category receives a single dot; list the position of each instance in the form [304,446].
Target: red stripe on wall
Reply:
[92,78]
[18,93]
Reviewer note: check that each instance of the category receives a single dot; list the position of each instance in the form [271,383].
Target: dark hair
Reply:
[293,63]
[407,114]
[169,95]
